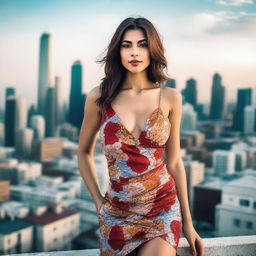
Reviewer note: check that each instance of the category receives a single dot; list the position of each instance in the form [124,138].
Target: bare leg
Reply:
[156,247]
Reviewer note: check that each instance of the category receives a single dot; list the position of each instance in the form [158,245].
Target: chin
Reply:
[136,70]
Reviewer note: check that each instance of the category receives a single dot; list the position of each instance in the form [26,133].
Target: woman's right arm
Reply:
[87,141]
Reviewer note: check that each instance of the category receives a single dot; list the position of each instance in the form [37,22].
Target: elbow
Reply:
[171,168]
[83,152]
[173,165]
[79,151]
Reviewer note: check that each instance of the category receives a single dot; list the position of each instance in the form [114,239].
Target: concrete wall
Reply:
[228,246]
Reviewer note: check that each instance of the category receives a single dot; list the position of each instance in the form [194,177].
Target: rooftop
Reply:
[247,181]
[228,246]
[7,226]
[49,217]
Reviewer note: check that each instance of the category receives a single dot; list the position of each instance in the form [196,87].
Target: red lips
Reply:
[134,61]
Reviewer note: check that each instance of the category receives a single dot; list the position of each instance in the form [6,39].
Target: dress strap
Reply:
[159,97]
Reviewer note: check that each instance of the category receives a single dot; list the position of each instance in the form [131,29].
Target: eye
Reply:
[124,45]
[144,45]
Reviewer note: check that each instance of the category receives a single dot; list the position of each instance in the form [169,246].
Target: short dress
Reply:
[141,202]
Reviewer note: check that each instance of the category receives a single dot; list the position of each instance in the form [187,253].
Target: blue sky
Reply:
[201,37]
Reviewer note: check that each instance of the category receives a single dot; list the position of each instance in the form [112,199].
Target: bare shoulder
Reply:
[172,93]
[94,93]
[92,96]
[172,96]
[91,122]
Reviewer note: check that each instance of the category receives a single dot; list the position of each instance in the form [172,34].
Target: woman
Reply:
[138,120]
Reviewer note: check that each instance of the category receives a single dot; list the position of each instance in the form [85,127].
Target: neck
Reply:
[137,81]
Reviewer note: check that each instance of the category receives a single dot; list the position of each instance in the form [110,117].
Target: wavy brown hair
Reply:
[114,70]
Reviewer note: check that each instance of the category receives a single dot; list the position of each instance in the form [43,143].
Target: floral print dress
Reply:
[141,201]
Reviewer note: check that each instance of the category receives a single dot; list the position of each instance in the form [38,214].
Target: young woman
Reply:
[138,119]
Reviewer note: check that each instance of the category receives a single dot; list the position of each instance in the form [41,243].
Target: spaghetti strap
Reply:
[159,97]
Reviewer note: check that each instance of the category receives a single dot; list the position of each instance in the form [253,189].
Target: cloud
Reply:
[234,2]
[224,21]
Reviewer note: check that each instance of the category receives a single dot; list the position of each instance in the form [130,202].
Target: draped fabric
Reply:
[141,201]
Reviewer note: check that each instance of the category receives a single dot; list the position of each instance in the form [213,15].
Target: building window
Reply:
[9,240]
[244,202]
[54,228]
[55,240]
[248,224]
[254,205]
[237,222]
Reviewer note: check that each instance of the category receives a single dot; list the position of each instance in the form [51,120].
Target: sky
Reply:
[200,37]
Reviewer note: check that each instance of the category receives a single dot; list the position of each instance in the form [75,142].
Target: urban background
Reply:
[48,65]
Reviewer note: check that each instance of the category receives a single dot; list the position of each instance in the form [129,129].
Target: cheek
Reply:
[147,57]
[123,56]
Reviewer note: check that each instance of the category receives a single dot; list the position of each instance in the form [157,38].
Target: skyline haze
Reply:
[219,39]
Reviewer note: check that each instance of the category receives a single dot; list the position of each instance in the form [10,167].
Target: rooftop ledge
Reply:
[218,246]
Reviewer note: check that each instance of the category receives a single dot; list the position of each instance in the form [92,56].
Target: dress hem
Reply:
[143,242]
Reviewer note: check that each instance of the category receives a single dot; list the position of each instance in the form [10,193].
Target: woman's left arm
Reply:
[175,166]
[173,156]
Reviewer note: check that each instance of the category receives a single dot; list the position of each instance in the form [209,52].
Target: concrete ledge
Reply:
[220,246]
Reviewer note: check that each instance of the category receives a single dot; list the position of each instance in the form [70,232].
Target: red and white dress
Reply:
[141,200]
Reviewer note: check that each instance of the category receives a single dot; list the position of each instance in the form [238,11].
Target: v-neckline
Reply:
[144,126]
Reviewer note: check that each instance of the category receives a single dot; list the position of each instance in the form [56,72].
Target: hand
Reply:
[194,240]
[99,204]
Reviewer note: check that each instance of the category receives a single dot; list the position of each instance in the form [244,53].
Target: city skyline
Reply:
[213,25]
[45,202]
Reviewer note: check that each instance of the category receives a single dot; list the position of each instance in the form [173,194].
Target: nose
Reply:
[135,51]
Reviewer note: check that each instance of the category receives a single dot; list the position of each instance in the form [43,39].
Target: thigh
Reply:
[156,247]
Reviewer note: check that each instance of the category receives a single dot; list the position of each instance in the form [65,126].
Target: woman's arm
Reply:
[173,157]
[87,141]
[176,168]
[179,175]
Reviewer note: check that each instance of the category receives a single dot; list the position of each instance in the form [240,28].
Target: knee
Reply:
[156,247]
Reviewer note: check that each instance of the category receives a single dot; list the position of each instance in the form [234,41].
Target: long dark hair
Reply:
[114,70]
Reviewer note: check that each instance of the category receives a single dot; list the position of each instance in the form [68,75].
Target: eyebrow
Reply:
[126,41]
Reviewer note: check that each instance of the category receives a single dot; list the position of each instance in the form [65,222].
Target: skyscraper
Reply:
[38,126]
[189,118]
[75,115]
[31,112]
[10,107]
[171,83]
[190,92]
[23,142]
[9,117]
[50,113]
[21,116]
[249,120]
[244,98]
[15,118]
[44,72]
[9,91]
[217,98]
[58,101]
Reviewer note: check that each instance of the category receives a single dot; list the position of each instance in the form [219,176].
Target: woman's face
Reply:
[134,46]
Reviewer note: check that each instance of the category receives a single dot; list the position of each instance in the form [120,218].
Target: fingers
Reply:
[196,247]
[192,248]
[199,246]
